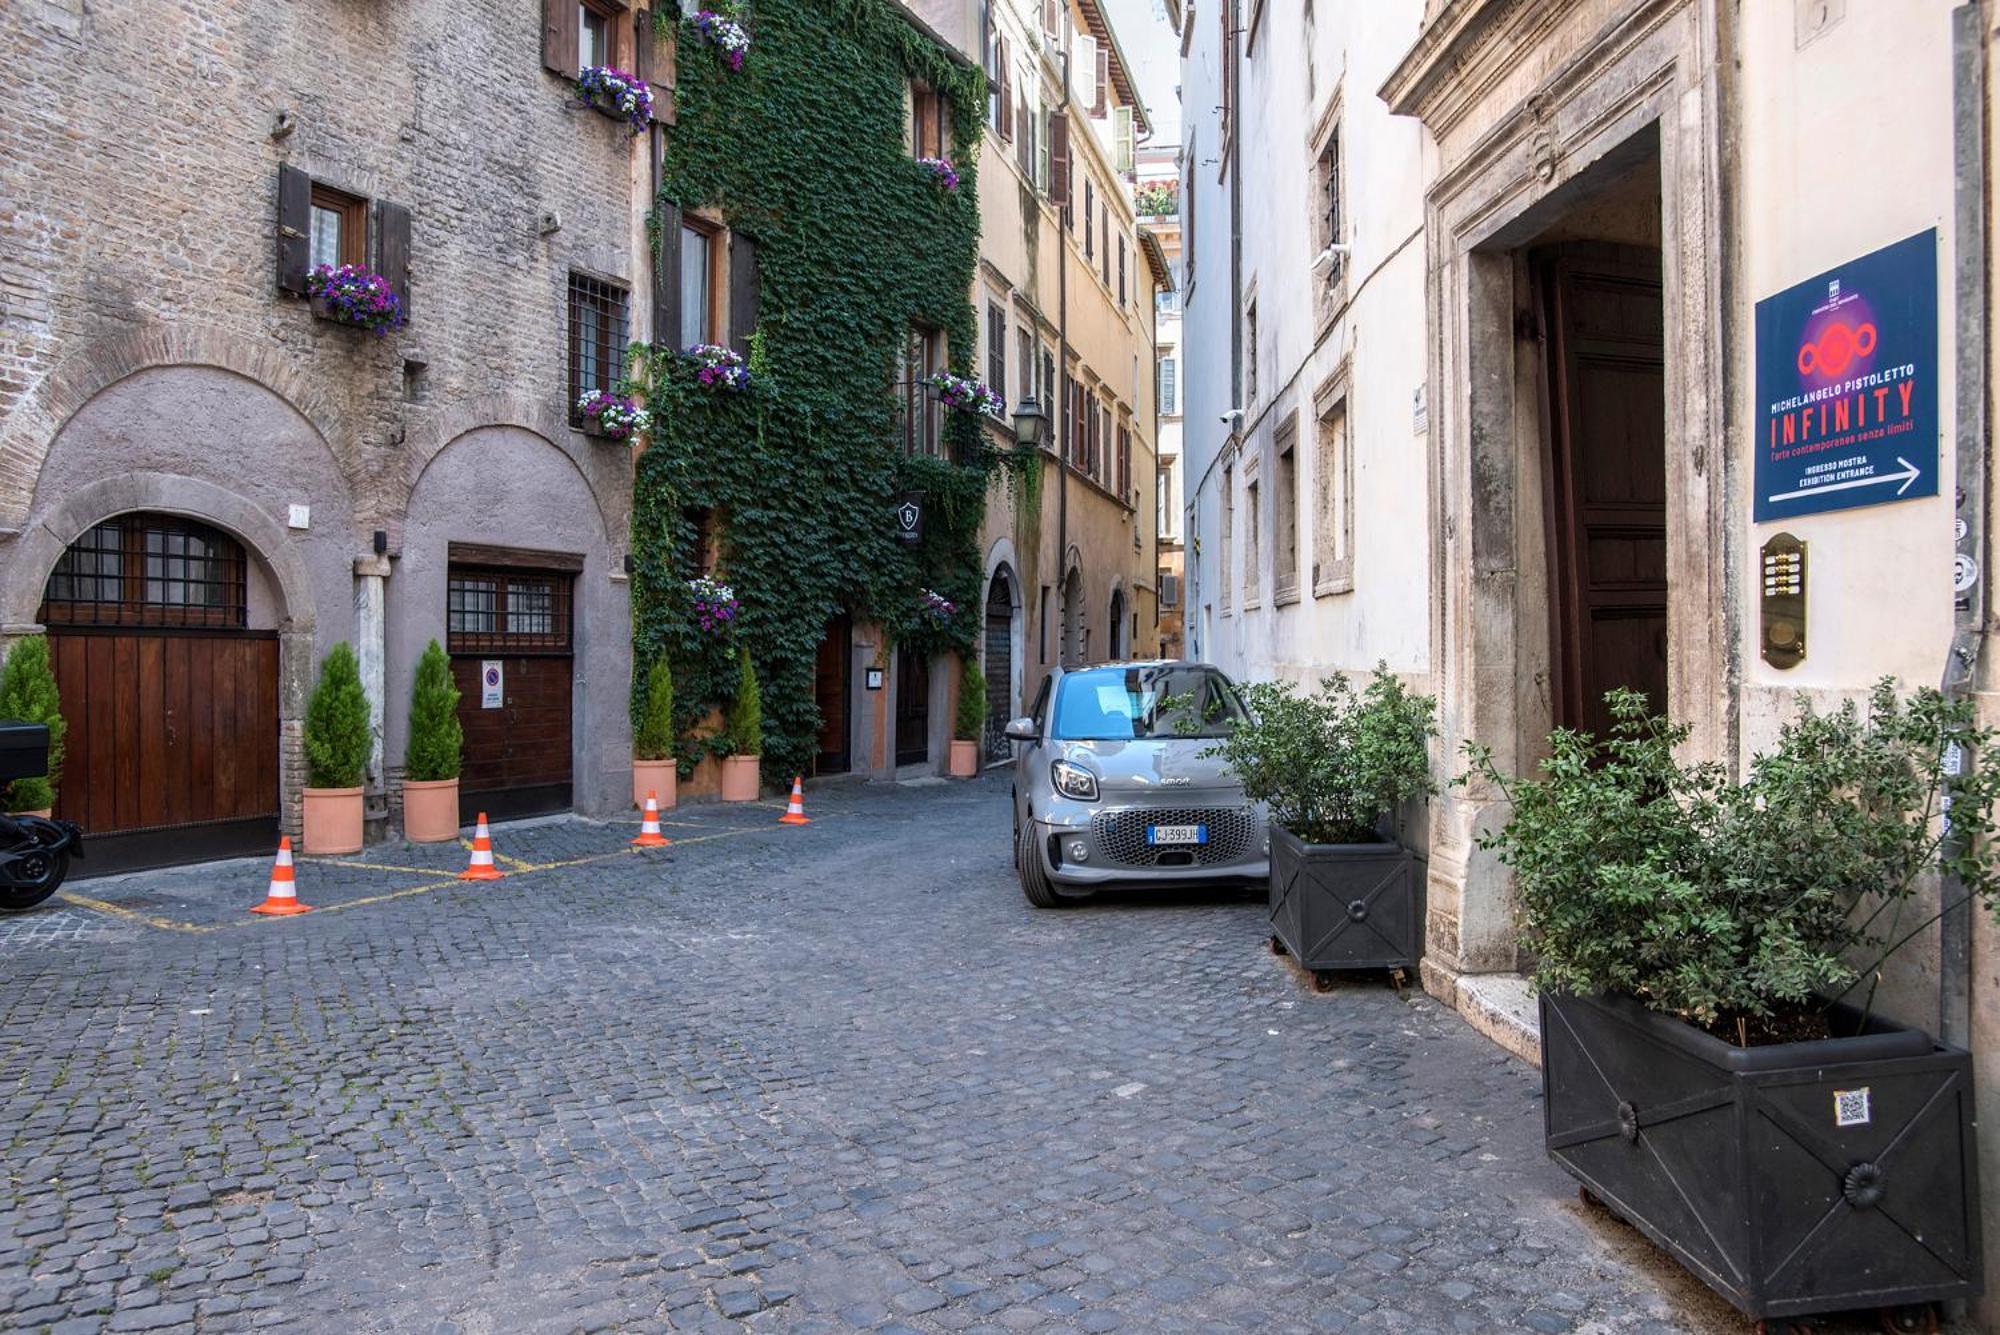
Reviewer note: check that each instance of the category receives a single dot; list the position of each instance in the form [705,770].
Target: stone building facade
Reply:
[223,485]
[1611,194]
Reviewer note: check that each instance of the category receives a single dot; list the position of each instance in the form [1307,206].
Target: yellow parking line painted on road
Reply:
[374,866]
[132,915]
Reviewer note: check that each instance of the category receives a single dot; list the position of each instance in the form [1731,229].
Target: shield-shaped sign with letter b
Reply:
[910,517]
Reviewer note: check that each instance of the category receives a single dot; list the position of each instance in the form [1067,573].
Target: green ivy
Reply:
[802,151]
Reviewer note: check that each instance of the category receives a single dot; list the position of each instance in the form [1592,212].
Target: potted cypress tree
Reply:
[336,745]
[1707,951]
[971,720]
[28,695]
[431,760]
[745,734]
[1332,764]
[654,769]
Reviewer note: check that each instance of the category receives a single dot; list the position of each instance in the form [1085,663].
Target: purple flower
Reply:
[628,94]
[354,295]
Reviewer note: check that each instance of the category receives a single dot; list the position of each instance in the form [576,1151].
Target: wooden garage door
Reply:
[516,622]
[171,704]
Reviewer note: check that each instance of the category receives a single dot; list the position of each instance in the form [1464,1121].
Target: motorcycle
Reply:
[34,851]
[34,859]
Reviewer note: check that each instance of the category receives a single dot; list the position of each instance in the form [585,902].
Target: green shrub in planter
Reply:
[653,729]
[28,695]
[1692,933]
[746,712]
[971,721]
[337,739]
[437,740]
[1331,765]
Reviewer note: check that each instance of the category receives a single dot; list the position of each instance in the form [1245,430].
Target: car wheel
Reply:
[1028,865]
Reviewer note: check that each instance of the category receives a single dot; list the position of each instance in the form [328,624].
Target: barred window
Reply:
[598,321]
[149,570]
[506,611]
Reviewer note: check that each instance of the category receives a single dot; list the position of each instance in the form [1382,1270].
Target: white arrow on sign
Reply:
[1909,474]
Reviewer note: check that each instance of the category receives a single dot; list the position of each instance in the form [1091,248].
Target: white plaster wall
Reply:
[1205,325]
[1381,337]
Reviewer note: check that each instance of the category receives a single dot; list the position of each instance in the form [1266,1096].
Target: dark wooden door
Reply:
[518,744]
[1608,477]
[999,669]
[172,743]
[832,670]
[913,709]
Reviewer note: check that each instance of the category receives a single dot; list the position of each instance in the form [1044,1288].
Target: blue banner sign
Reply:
[1847,385]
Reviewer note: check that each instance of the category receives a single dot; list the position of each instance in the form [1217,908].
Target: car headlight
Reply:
[1073,781]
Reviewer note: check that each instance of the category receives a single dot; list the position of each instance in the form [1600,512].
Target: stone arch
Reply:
[29,431]
[36,551]
[1118,609]
[538,419]
[1001,567]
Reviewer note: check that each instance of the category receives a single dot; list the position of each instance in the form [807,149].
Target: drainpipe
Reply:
[1969,605]
[1062,372]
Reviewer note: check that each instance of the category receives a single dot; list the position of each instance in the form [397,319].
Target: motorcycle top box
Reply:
[24,751]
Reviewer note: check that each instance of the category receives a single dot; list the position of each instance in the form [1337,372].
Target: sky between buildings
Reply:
[1154,52]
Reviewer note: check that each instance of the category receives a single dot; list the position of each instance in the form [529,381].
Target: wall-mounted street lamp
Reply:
[1029,423]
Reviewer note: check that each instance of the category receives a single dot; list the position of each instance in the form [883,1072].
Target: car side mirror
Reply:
[1023,729]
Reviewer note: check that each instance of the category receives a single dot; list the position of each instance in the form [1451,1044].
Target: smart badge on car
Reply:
[1176,834]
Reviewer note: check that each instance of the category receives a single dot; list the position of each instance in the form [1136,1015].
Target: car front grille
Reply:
[1122,835]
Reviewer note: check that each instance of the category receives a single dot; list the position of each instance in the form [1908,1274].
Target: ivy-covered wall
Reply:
[803,150]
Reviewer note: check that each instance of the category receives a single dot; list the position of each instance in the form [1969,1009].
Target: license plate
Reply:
[1176,834]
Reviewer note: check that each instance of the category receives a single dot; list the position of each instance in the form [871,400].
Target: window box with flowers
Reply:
[621,96]
[966,395]
[721,26]
[941,171]
[718,367]
[354,296]
[713,605]
[611,416]
[1161,199]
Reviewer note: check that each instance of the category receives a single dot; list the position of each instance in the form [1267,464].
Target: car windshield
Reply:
[1119,704]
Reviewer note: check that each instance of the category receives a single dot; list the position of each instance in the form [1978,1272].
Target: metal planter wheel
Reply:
[1793,1179]
[1343,906]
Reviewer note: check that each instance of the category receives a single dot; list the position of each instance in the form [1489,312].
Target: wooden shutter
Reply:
[1121,137]
[1059,159]
[559,37]
[1103,80]
[1006,90]
[742,291]
[642,44]
[667,277]
[294,224]
[392,249]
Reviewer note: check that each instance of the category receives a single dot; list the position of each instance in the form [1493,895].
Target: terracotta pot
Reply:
[430,810]
[739,778]
[658,777]
[332,820]
[964,759]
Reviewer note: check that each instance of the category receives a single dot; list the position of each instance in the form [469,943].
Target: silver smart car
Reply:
[1111,788]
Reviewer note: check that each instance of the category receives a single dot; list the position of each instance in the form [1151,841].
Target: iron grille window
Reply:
[149,570]
[504,611]
[598,313]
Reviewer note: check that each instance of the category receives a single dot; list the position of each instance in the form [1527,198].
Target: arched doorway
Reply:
[169,693]
[1118,639]
[999,667]
[1075,648]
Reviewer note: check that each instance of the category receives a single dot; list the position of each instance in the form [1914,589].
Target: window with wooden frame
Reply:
[1329,222]
[1089,219]
[1253,557]
[339,230]
[1000,85]
[1333,491]
[514,612]
[701,282]
[919,424]
[930,126]
[149,570]
[1285,502]
[1025,358]
[599,312]
[1121,269]
[1124,463]
[577,34]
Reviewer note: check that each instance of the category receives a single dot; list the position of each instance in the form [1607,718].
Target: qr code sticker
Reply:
[1850,1107]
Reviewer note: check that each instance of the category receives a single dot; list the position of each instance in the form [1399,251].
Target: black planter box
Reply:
[1792,1179]
[1344,906]
[24,751]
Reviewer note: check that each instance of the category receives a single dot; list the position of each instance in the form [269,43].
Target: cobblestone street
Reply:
[831,1078]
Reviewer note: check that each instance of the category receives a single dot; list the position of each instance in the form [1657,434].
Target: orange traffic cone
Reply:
[649,826]
[481,867]
[795,810]
[281,898]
